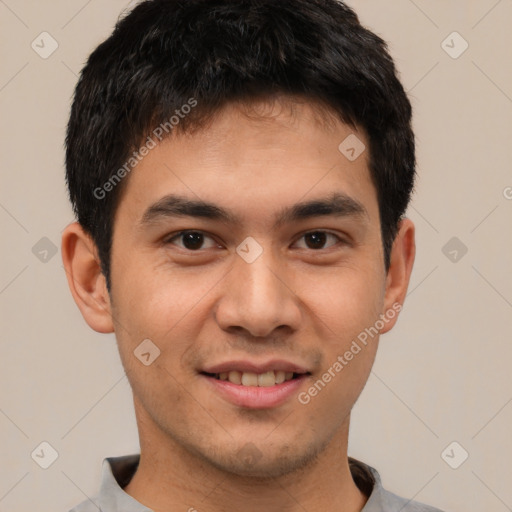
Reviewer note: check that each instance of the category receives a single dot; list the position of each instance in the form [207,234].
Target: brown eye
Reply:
[317,239]
[191,240]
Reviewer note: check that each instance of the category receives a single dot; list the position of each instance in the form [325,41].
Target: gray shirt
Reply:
[118,471]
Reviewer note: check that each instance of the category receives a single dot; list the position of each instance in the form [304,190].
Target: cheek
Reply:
[150,304]
[346,300]
[163,305]
[345,306]
[154,297]
[343,313]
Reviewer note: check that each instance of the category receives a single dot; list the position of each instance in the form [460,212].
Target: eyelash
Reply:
[174,236]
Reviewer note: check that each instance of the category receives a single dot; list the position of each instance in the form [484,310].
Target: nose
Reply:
[258,298]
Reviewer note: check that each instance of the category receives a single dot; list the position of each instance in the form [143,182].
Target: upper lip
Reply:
[254,367]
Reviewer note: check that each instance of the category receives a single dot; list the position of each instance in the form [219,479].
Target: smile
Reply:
[266,379]
[256,391]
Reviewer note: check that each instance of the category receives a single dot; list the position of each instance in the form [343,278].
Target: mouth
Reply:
[256,386]
[265,379]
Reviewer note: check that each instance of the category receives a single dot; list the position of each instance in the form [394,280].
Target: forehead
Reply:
[254,159]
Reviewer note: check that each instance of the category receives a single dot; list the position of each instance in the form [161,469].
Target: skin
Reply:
[295,302]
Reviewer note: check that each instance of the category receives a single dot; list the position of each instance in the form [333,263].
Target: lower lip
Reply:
[255,397]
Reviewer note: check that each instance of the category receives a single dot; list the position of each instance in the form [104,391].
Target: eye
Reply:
[195,240]
[191,240]
[317,239]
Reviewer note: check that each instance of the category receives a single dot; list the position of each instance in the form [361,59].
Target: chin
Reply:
[267,463]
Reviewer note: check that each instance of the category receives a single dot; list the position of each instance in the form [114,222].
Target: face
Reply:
[273,279]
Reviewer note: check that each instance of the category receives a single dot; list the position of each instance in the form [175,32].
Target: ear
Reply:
[85,279]
[399,273]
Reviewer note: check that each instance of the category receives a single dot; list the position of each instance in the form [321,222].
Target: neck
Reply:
[169,477]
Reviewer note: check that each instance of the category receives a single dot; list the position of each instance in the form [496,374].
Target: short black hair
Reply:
[203,54]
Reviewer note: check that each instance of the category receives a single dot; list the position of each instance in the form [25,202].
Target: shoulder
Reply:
[85,506]
[369,482]
[393,502]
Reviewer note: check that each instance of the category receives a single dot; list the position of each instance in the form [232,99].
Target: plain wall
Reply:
[442,375]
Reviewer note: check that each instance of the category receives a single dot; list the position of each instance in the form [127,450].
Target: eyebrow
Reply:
[337,204]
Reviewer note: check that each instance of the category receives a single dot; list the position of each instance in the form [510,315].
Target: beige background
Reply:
[442,375]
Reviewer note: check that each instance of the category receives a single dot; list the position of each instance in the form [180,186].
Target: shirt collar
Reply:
[118,471]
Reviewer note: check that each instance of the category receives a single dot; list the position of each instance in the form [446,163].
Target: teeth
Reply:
[235,377]
[249,379]
[266,379]
[280,376]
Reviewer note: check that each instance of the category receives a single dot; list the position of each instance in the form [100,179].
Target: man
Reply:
[240,170]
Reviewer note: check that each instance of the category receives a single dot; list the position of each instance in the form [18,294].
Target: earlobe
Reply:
[85,279]
[399,272]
